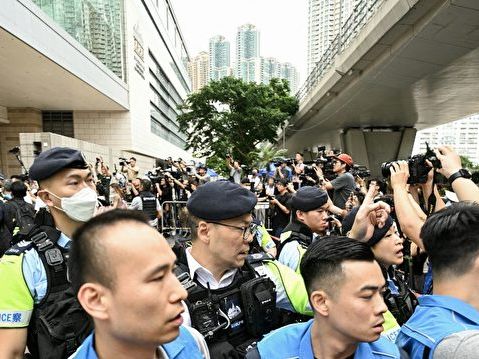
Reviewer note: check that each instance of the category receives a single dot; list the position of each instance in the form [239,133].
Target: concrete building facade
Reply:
[248,62]
[110,73]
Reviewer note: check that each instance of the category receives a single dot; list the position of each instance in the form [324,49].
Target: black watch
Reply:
[461,173]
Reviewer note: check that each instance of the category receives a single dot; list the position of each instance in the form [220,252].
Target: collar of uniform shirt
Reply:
[204,276]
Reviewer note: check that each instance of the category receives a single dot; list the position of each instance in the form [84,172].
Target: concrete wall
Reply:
[19,120]
[91,150]
[112,129]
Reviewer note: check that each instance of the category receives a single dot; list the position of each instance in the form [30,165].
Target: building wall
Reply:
[20,120]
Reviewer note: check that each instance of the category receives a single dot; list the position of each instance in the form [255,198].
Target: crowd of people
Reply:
[332,266]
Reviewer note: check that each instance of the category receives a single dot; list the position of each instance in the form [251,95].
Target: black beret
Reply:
[308,198]
[215,201]
[378,233]
[55,159]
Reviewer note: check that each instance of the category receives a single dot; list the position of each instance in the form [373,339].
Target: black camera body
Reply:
[360,171]
[123,161]
[418,168]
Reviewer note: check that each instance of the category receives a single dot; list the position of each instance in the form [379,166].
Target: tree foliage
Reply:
[232,116]
[266,153]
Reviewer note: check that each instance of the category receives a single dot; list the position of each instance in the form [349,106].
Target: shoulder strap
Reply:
[53,257]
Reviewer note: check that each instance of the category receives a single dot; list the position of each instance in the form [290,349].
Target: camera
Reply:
[123,161]
[418,168]
[360,171]
[271,197]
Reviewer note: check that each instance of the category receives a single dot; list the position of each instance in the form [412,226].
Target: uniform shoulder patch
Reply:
[19,248]
[258,257]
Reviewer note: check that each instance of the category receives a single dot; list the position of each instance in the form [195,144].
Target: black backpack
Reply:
[23,217]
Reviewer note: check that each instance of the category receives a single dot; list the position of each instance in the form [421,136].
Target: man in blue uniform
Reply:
[122,272]
[345,286]
[35,295]
[451,239]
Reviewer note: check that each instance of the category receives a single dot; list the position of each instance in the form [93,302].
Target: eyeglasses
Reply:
[247,231]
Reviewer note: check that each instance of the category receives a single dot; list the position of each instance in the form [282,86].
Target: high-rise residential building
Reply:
[325,20]
[248,63]
[219,58]
[288,72]
[199,71]
[270,69]
[104,76]
[462,135]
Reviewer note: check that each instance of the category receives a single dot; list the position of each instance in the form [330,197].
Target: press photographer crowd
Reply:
[300,259]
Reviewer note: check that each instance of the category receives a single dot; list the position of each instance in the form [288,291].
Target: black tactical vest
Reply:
[148,201]
[236,315]
[59,324]
[298,232]
[400,305]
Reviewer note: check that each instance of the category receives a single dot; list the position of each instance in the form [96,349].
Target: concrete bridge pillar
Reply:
[371,147]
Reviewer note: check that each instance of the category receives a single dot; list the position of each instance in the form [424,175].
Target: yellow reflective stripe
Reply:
[293,285]
[301,252]
[16,302]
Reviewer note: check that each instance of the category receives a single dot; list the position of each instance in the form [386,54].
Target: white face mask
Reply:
[81,206]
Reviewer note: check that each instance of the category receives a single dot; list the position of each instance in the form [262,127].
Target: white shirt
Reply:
[204,276]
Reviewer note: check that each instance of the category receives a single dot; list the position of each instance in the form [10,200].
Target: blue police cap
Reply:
[215,201]
[55,159]
[308,198]
[378,233]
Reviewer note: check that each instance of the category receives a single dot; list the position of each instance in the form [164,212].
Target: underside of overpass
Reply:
[414,65]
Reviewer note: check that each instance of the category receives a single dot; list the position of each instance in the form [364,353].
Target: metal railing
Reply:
[347,32]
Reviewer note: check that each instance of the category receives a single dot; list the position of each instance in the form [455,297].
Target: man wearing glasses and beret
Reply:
[232,296]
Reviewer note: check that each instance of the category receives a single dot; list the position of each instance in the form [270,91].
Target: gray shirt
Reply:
[343,185]
[461,345]
[236,175]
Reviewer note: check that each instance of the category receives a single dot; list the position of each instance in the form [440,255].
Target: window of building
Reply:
[59,122]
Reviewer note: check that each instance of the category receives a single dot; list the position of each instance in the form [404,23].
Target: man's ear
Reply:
[300,215]
[203,232]
[94,298]
[46,197]
[320,300]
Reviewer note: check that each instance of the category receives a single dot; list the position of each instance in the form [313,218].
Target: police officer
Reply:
[147,202]
[310,207]
[387,247]
[37,305]
[232,298]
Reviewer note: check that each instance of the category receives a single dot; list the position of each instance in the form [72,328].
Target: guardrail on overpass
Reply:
[348,31]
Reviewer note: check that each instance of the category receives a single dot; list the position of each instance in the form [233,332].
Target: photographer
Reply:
[281,206]
[104,177]
[130,168]
[235,169]
[344,183]
[282,171]
[297,169]
[202,174]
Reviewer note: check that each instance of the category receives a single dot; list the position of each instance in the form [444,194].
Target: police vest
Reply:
[238,313]
[295,232]
[148,201]
[59,324]
[400,301]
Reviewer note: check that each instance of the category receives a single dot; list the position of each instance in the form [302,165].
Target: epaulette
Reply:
[19,248]
[258,257]
[285,235]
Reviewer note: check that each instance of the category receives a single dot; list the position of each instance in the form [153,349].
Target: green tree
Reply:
[467,163]
[232,116]
[266,153]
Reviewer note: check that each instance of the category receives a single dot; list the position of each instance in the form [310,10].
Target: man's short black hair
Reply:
[18,189]
[299,153]
[133,158]
[146,185]
[321,266]
[88,261]
[451,239]
[283,182]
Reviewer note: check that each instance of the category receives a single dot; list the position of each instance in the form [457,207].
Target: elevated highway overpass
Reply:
[397,66]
